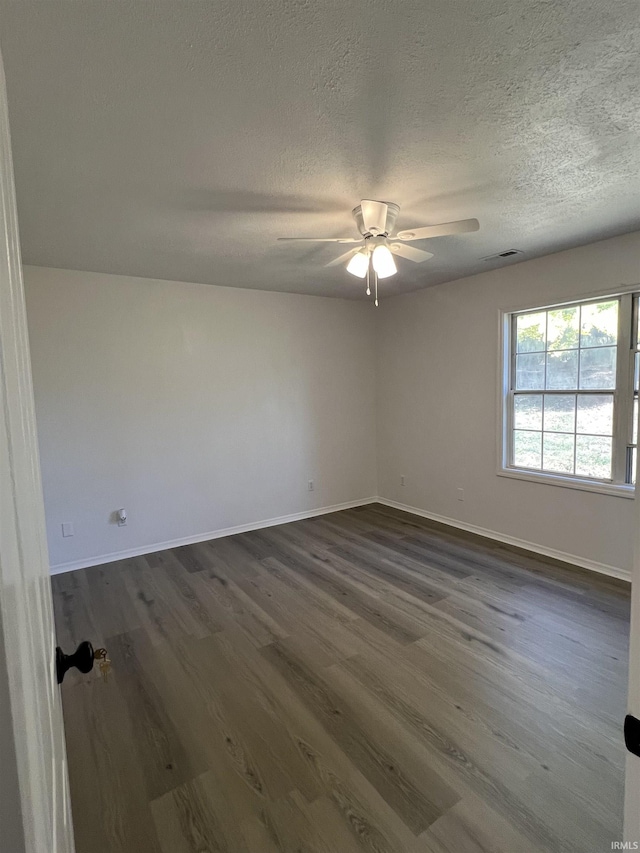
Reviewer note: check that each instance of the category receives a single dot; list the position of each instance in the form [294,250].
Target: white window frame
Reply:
[623,396]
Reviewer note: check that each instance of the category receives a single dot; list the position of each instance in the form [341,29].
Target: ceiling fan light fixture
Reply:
[376,221]
[383,262]
[359,264]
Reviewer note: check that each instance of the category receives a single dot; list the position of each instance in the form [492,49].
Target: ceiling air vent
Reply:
[508,253]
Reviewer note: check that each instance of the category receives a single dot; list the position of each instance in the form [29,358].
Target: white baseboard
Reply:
[583,562]
[203,537]
[592,565]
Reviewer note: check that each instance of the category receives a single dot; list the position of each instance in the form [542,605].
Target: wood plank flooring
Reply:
[362,681]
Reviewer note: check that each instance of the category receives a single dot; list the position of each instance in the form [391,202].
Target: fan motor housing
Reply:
[392,215]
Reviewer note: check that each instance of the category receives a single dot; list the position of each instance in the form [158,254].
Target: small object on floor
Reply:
[104,663]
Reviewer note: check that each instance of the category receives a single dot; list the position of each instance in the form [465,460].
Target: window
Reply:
[572,393]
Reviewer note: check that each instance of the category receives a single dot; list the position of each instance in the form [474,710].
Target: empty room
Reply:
[319,378]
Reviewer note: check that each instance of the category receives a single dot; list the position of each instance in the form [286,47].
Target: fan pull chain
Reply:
[376,286]
[368,272]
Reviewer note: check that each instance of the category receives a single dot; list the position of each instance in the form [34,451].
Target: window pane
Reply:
[595,414]
[598,368]
[634,464]
[636,372]
[562,370]
[634,438]
[527,411]
[530,371]
[559,354]
[562,328]
[559,413]
[599,324]
[527,449]
[531,332]
[557,452]
[593,456]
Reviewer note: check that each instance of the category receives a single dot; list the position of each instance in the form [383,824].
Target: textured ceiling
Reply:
[178,140]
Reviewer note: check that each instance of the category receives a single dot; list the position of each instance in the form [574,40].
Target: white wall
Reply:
[197,408]
[438,400]
[200,408]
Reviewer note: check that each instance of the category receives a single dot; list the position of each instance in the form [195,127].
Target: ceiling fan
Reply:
[375,221]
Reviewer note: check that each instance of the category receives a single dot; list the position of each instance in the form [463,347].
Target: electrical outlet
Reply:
[311,485]
[460,494]
[67,529]
[402,480]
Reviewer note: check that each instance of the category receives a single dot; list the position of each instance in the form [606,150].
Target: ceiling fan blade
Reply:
[342,259]
[323,239]
[374,215]
[462,226]
[410,253]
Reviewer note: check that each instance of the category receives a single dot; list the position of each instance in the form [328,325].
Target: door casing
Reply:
[25,586]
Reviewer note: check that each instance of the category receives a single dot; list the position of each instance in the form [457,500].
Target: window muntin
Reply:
[572,412]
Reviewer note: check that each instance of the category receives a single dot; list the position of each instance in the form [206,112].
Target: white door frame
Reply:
[632,776]
[25,586]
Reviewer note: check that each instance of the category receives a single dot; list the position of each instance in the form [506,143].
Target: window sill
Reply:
[619,490]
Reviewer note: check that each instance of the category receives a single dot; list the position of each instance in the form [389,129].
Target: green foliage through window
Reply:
[563,389]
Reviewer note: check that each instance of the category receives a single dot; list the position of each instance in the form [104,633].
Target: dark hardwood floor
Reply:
[362,681]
